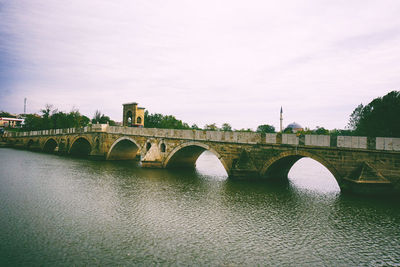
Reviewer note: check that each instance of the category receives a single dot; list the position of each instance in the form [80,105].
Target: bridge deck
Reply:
[353,142]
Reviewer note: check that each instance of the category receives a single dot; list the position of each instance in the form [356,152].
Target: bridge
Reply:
[359,164]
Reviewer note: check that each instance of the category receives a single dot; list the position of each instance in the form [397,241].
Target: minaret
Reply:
[281,118]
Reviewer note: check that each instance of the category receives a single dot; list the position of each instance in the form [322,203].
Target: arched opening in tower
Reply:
[123,150]
[80,148]
[129,118]
[49,146]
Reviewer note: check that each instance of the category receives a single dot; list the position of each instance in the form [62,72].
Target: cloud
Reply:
[203,61]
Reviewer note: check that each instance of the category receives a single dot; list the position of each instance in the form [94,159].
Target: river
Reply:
[62,211]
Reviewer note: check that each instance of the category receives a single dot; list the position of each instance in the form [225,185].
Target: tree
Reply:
[98,117]
[381,117]
[226,127]
[32,122]
[355,117]
[244,130]
[54,119]
[288,130]
[78,120]
[46,122]
[265,128]
[321,131]
[6,114]
[60,120]
[342,132]
[46,111]
[157,120]
[211,127]
[195,127]
[152,120]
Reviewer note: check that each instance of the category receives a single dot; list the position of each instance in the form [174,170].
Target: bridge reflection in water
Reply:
[359,164]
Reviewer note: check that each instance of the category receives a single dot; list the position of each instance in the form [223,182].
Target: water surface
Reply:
[60,211]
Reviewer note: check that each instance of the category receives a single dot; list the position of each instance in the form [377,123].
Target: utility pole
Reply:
[281,118]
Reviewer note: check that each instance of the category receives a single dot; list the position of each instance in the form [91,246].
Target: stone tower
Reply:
[281,118]
[133,116]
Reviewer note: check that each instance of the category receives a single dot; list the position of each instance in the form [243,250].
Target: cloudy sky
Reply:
[204,61]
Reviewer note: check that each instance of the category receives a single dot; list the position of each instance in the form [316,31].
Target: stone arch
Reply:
[186,155]
[30,143]
[96,143]
[148,145]
[80,147]
[139,120]
[163,147]
[280,165]
[50,145]
[124,148]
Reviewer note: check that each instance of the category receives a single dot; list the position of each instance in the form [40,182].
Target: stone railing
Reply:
[358,142]
[354,142]
[217,136]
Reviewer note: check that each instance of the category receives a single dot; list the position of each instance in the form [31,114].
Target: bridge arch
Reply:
[30,143]
[186,155]
[80,147]
[280,165]
[124,148]
[50,145]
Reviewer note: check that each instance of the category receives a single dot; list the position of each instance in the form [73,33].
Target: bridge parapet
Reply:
[318,140]
[199,135]
[353,142]
[390,144]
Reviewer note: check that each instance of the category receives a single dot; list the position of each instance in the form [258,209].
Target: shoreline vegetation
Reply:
[378,118]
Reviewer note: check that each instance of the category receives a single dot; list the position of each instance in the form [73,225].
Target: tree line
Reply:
[381,117]
[157,120]
[50,118]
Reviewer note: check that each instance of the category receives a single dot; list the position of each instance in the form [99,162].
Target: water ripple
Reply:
[60,211]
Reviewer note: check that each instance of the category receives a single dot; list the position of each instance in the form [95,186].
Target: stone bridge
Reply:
[359,164]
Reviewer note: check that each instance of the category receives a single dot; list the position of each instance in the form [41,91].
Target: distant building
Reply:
[10,122]
[133,116]
[295,127]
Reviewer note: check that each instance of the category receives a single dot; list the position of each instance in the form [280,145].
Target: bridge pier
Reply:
[244,167]
[367,180]
[367,188]
[152,164]
[152,158]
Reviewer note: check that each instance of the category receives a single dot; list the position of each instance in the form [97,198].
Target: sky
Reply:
[208,61]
